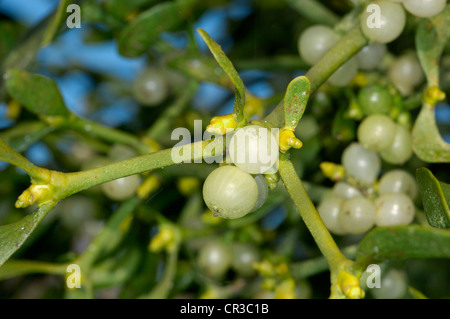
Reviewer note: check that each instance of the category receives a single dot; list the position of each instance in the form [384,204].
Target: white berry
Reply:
[424,8]
[361,163]
[398,181]
[345,190]
[370,57]
[122,188]
[376,132]
[401,148]
[329,210]
[229,192]
[383,21]
[357,215]
[150,87]
[315,41]
[394,209]
[254,149]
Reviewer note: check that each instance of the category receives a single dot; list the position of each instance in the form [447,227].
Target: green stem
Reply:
[314,266]
[348,46]
[309,214]
[315,11]
[59,16]
[76,182]
[14,268]
[9,155]
[106,133]
[23,135]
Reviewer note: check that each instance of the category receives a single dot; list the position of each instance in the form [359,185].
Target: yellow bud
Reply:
[153,145]
[287,140]
[433,95]
[33,195]
[165,239]
[212,293]
[268,284]
[188,185]
[253,106]
[208,218]
[350,286]
[125,224]
[220,124]
[14,109]
[333,171]
[150,185]
[265,268]
[286,290]
[360,80]
[282,269]
[354,111]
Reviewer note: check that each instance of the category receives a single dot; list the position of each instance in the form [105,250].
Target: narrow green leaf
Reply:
[116,269]
[295,100]
[111,235]
[39,94]
[428,144]
[228,67]
[59,17]
[7,154]
[137,37]
[431,37]
[10,32]
[401,243]
[25,134]
[416,293]
[201,68]
[435,198]
[12,236]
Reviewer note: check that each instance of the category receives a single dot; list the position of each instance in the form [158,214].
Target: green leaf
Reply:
[401,243]
[431,38]
[315,11]
[117,269]
[121,9]
[10,32]
[435,198]
[24,53]
[54,25]
[25,134]
[295,100]
[12,236]
[9,155]
[201,68]
[416,293]
[137,37]
[111,235]
[39,94]
[229,69]
[428,144]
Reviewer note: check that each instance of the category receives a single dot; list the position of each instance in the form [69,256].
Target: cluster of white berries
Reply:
[349,210]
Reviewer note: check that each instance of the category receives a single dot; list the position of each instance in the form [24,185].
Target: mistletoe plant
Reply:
[378,126]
